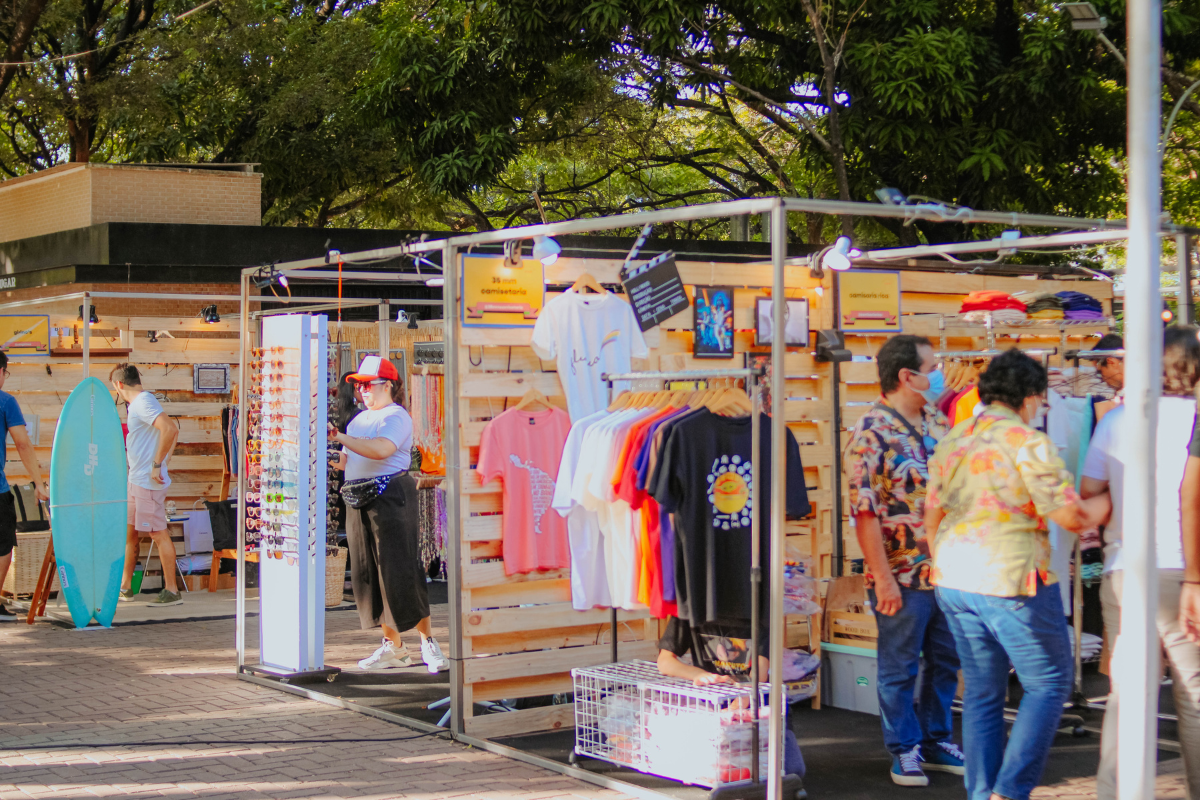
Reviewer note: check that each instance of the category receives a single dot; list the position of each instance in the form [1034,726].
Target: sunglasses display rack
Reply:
[292,367]
[333,521]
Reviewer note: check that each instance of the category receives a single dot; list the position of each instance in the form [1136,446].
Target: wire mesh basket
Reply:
[631,714]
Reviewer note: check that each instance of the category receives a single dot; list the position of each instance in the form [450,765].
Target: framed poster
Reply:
[712,322]
[498,296]
[210,379]
[869,301]
[27,335]
[795,326]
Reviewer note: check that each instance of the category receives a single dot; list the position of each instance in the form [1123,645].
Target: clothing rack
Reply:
[1062,326]
[750,374]
[991,353]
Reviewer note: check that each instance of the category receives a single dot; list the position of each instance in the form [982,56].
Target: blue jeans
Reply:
[991,632]
[917,633]
[793,761]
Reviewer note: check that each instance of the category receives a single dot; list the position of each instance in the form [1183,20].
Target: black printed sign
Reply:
[656,291]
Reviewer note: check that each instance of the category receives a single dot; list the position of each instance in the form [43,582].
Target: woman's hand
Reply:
[334,433]
[710,678]
[339,463]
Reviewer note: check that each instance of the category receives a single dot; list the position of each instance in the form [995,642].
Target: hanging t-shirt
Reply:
[589,577]
[705,479]
[1107,456]
[588,335]
[524,449]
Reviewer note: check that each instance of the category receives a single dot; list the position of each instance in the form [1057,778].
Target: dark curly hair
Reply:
[1181,361]
[1010,378]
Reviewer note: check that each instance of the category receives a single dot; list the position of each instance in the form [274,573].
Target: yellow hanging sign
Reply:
[495,295]
[869,301]
[25,335]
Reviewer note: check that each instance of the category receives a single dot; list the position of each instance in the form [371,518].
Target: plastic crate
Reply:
[631,714]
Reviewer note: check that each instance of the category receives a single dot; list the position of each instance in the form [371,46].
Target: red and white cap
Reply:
[374,368]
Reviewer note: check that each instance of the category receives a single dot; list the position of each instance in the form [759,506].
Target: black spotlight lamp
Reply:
[268,276]
[209,315]
[92,318]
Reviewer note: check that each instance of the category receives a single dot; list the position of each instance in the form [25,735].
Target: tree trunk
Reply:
[81,141]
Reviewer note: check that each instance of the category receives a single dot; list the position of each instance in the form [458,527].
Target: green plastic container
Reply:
[135,585]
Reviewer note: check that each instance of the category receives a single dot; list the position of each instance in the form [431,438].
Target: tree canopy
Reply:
[455,114]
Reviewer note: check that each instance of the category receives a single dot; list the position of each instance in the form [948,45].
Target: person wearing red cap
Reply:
[382,527]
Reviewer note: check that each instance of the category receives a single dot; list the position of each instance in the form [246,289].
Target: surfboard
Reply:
[88,516]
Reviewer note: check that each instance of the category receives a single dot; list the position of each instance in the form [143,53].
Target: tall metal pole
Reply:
[450,337]
[1136,655]
[242,462]
[778,498]
[1183,254]
[385,319]
[86,314]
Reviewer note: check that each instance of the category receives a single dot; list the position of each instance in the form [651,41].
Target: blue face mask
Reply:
[937,385]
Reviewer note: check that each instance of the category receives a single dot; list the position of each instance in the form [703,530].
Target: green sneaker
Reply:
[166,598]
[127,596]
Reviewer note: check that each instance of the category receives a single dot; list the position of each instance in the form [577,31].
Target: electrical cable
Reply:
[217,742]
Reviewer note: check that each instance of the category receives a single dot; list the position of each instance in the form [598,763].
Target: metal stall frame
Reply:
[776,210]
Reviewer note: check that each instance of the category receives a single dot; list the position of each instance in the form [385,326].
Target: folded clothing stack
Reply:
[999,316]
[1079,306]
[990,300]
[1041,305]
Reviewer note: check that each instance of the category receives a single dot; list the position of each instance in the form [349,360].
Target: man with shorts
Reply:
[151,440]
[14,423]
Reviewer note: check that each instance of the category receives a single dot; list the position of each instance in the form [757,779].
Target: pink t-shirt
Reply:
[524,449]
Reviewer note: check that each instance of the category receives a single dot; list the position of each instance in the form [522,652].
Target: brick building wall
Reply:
[73,196]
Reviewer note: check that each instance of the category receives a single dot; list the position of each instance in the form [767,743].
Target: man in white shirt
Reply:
[151,440]
[1104,470]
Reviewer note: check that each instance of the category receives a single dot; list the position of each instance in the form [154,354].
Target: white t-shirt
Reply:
[143,441]
[1106,459]
[392,423]
[589,335]
[589,577]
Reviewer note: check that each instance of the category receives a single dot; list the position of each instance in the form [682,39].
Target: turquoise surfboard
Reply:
[88,498]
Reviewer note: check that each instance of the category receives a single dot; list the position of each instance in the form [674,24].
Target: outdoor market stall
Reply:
[519,636]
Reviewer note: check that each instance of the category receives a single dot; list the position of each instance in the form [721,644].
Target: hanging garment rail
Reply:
[1078,354]
[683,375]
[748,373]
[1043,353]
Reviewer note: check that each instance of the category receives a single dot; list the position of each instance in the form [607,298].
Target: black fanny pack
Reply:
[362,492]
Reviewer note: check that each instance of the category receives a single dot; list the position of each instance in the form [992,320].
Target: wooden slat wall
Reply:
[925,295]
[521,637]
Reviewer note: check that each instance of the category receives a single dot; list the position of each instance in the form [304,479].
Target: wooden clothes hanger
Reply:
[531,398]
[587,281]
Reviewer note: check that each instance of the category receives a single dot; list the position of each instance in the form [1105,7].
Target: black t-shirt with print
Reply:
[705,481]
[723,649]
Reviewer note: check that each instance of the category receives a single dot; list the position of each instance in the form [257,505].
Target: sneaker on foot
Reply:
[943,757]
[5,614]
[388,656]
[431,654]
[166,598]
[127,596]
[906,769]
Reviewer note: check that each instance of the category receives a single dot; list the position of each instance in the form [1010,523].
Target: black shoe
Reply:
[6,615]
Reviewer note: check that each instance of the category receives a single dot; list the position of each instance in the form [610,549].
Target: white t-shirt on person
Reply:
[392,423]
[589,335]
[142,441]
[1107,456]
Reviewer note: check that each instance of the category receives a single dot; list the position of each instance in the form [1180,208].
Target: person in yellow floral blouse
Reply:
[994,480]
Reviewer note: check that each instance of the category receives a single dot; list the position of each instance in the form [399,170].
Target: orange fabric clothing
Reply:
[990,300]
[964,407]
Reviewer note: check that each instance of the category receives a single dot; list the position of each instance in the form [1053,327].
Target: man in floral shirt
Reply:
[886,464]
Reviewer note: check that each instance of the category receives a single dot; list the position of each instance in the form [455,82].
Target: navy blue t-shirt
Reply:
[10,415]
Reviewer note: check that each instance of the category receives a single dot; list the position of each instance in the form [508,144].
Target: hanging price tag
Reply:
[655,290]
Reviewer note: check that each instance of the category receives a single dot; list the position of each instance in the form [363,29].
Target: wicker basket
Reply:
[335,577]
[27,563]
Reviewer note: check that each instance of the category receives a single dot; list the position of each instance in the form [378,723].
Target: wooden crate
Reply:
[27,563]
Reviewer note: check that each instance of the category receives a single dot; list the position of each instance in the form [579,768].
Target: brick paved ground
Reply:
[173,681]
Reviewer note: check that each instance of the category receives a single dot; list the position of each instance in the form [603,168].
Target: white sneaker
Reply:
[388,656]
[431,653]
